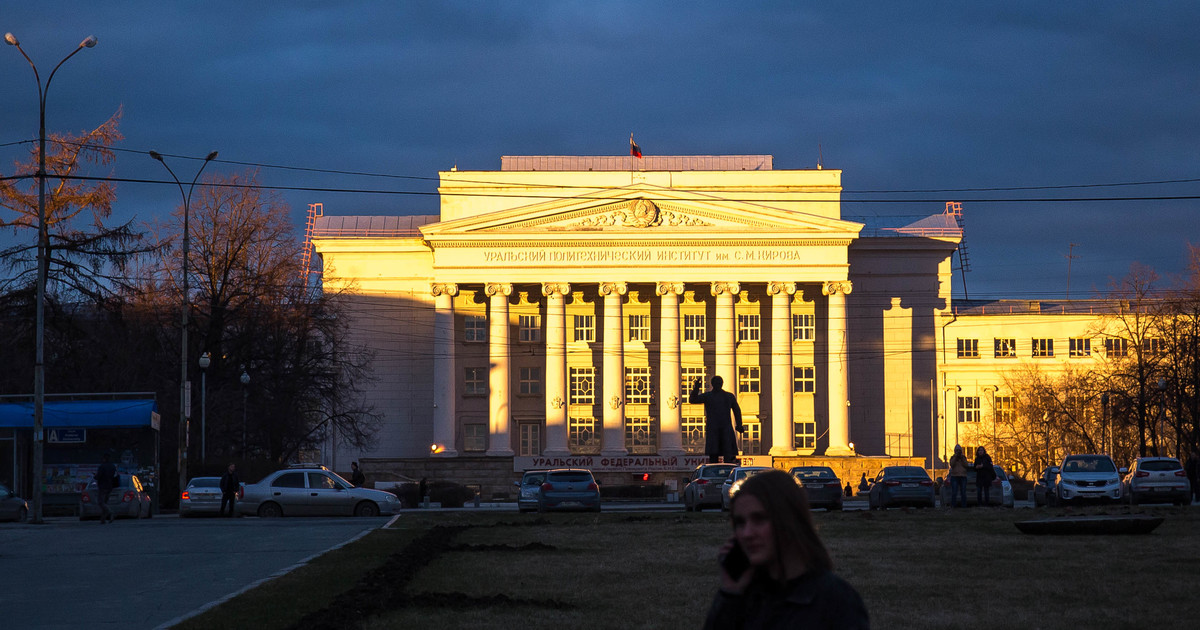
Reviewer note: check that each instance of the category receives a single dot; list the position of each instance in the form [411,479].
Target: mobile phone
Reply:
[735,562]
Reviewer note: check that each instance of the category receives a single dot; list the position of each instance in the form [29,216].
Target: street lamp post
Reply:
[205,360]
[39,374]
[185,387]
[245,396]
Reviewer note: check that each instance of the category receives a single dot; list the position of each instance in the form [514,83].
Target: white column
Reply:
[556,369]
[499,372]
[839,410]
[443,369]
[726,330]
[669,409]
[781,367]
[613,441]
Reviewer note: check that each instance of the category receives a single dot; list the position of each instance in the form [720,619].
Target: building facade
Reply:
[558,310]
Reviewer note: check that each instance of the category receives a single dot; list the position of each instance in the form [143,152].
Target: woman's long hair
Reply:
[786,506]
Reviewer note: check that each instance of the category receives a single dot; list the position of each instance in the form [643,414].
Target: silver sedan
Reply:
[313,491]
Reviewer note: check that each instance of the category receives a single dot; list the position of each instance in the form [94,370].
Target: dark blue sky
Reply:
[902,96]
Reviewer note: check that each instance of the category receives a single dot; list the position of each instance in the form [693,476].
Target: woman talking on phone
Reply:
[775,572]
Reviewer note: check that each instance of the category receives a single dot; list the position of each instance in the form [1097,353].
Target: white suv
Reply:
[1084,477]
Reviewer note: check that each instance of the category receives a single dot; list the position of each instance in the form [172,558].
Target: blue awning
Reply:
[89,414]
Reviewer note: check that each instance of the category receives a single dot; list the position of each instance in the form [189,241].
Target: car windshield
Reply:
[204,482]
[905,471]
[569,476]
[533,479]
[1154,464]
[1000,473]
[814,473]
[745,473]
[1089,465]
[716,472]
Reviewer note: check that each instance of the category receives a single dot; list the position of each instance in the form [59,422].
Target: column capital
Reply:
[492,289]
[732,288]
[663,288]
[556,288]
[776,288]
[613,288]
[443,288]
[841,286]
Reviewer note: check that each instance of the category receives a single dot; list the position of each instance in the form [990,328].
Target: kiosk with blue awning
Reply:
[79,431]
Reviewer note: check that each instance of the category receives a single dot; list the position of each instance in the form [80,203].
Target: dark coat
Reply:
[105,477]
[811,601]
[230,483]
[984,473]
[358,478]
[719,438]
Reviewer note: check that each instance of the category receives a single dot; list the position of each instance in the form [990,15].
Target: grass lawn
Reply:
[914,569]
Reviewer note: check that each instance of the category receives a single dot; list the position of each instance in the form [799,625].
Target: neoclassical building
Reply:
[558,310]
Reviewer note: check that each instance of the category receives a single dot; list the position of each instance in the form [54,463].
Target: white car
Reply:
[313,491]
[1088,478]
[733,482]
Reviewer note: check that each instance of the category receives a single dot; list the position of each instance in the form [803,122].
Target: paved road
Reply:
[140,574]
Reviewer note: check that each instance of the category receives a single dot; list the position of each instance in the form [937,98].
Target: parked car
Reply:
[1088,478]
[569,489]
[1157,480]
[203,496]
[1045,488]
[822,485]
[734,481]
[128,499]
[704,486]
[528,488]
[901,485]
[12,507]
[1001,493]
[313,491]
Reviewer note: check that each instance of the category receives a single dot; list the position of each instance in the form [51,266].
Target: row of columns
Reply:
[613,369]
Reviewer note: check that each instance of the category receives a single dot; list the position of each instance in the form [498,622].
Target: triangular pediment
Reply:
[643,211]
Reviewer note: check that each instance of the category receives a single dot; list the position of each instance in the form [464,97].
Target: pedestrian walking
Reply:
[356,475]
[230,484]
[1192,468]
[984,474]
[719,439]
[775,571]
[106,479]
[958,478]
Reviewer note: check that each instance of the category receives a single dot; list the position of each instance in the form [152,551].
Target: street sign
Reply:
[67,436]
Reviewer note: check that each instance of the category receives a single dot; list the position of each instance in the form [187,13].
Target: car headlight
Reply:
[391,498]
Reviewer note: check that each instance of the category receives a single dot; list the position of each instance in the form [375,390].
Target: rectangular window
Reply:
[752,438]
[804,379]
[805,437]
[475,329]
[968,348]
[530,381]
[529,328]
[475,437]
[899,444]
[1152,346]
[1005,348]
[583,435]
[583,385]
[639,328]
[637,385]
[1080,347]
[1043,348]
[968,409]
[641,436]
[694,327]
[476,382]
[1116,348]
[693,434]
[1005,411]
[689,376]
[749,327]
[585,328]
[748,380]
[531,439]
[804,327]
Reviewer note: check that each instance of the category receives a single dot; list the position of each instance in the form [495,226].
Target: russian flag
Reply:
[634,149]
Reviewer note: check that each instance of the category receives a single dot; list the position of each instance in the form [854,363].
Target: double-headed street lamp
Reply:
[185,387]
[39,374]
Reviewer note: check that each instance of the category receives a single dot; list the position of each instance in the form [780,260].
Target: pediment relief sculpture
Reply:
[640,213]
